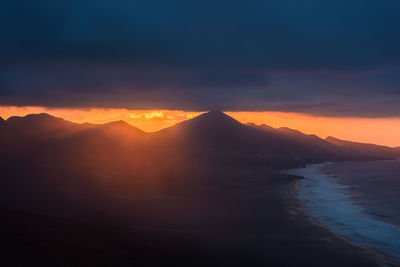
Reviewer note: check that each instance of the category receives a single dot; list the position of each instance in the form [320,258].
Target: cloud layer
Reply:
[335,58]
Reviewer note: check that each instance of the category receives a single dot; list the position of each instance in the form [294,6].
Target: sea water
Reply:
[331,204]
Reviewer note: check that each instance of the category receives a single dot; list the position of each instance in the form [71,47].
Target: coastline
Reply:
[257,221]
[312,211]
[378,196]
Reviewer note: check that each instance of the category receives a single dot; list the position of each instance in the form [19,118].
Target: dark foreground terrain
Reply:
[256,221]
[202,193]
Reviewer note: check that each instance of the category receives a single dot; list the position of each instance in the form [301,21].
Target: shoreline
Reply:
[254,219]
[381,257]
[365,192]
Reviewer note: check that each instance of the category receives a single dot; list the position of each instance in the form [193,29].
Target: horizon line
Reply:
[189,118]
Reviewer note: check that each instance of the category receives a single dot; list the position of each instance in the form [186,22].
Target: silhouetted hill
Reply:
[122,129]
[64,162]
[213,137]
[92,153]
[219,138]
[307,141]
[199,193]
[213,127]
[308,148]
[53,145]
[364,148]
[45,126]
[35,123]
[313,143]
[315,149]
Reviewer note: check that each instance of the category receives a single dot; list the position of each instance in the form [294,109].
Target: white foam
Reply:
[326,200]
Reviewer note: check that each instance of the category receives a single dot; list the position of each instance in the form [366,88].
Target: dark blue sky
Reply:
[338,58]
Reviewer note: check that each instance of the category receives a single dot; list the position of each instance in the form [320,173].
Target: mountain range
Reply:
[44,152]
[204,191]
[212,135]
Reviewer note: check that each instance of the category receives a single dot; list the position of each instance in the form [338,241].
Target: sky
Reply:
[332,59]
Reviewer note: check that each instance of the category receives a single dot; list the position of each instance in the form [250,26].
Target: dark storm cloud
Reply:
[324,57]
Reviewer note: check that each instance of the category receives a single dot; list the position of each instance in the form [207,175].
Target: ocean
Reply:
[357,200]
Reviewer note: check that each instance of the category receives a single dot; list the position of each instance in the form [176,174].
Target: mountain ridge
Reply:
[332,139]
[365,147]
[212,136]
[203,177]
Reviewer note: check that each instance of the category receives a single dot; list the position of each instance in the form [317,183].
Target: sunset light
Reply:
[146,120]
[200,133]
[382,131]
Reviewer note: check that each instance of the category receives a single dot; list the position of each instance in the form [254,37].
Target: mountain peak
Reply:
[212,122]
[332,140]
[122,125]
[214,118]
[216,112]
[119,129]
[36,117]
[38,122]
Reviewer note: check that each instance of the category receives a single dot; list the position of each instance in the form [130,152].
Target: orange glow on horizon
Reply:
[146,120]
[384,131]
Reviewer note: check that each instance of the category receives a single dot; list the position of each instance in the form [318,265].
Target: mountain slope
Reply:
[365,148]
[52,143]
[214,136]
[39,124]
[310,146]
[45,126]
[184,188]
[218,137]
